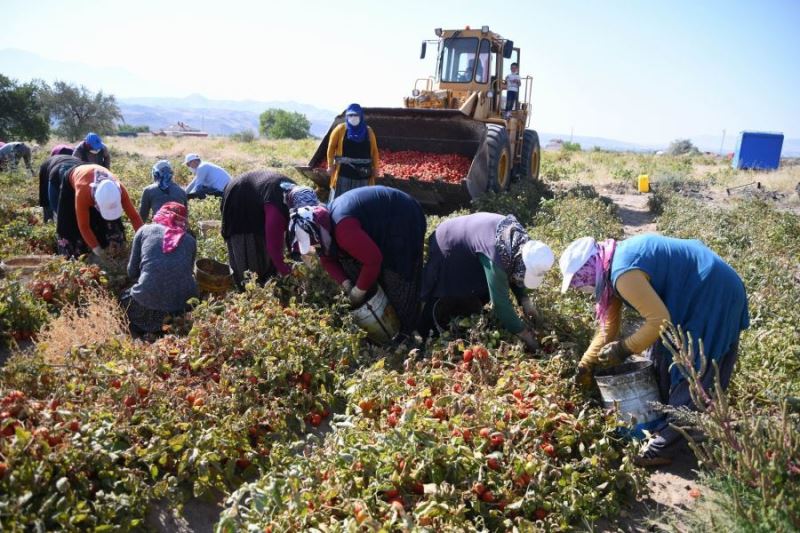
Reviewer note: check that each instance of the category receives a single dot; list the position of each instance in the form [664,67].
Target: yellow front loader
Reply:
[458,110]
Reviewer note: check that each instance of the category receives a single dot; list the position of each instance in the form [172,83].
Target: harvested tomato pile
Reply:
[424,166]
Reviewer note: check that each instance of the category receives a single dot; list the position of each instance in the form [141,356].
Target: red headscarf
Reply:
[173,216]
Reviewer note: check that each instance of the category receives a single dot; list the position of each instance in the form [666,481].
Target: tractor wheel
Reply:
[531,159]
[499,158]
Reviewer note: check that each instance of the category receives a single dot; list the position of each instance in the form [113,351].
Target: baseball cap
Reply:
[108,199]
[574,257]
[538,259]
[93,140]
[190,158]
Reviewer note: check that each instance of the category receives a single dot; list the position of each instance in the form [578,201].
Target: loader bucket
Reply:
[424,130]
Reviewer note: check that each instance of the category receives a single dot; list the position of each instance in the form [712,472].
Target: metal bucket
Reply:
[378,318]
[631,388]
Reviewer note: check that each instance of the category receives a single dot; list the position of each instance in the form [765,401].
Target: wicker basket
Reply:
[25,266]
[212,276]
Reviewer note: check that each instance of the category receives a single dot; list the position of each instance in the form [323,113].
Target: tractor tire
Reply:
[531,159]
[500,160]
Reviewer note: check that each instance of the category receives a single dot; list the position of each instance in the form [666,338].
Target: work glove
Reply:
[100,253]
[613,354]
[584,376]
[529,308]
[357,296]
[347,286]
[527,337]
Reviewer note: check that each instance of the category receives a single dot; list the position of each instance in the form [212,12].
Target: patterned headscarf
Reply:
[509,239]
[162,173]
[172,216]
[356,133]
[312,222]
[297,196]
[596,272]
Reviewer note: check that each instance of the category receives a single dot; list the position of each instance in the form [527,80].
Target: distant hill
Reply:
[217,117]
[587,143]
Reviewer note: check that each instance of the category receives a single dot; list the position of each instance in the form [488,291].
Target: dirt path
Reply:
[636,216]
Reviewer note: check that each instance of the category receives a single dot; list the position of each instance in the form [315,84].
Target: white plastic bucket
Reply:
[378,318]
[631,388]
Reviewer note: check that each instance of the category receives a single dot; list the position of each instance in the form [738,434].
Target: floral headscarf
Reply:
[312,222]
[172,216]
[162,174]
[297,196]
[509,239]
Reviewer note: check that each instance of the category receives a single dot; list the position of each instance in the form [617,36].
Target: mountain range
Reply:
[217,117]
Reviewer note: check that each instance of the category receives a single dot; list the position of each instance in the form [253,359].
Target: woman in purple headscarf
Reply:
[353,158]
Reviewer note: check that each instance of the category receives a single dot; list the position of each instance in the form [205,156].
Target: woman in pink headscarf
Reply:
[161,263]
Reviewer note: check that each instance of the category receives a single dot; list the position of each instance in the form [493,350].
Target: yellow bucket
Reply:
[644,183]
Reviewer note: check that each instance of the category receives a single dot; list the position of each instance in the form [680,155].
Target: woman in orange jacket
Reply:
[90,206]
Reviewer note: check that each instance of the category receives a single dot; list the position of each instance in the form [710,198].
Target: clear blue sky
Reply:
[639,71]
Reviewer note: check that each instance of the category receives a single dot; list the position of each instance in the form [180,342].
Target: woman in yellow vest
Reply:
[353,158]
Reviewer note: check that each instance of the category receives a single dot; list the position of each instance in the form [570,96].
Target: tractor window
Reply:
[458,59]
[484,62]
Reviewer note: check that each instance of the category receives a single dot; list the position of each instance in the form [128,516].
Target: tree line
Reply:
[35,110]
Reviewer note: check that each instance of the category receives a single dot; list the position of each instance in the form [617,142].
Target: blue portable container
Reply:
[758,150]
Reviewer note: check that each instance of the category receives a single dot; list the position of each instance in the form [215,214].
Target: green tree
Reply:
[78,111]
[281,124]
[681,147]
[130,128]
[22,113]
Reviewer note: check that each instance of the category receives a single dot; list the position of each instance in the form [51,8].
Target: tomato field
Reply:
[270,406]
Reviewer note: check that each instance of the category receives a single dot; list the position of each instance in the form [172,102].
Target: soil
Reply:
[634,212]
[198,516]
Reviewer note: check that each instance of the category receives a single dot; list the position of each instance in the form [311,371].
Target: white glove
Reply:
[357,296]
[99,252]
[347,285]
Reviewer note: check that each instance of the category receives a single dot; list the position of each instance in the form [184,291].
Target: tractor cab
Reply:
[471,66]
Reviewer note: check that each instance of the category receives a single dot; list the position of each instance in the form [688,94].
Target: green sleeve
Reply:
[498,292]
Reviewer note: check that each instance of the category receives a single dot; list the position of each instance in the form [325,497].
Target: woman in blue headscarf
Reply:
[353,158]
[162,191]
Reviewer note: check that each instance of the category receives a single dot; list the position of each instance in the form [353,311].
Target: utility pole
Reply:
[722,143]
